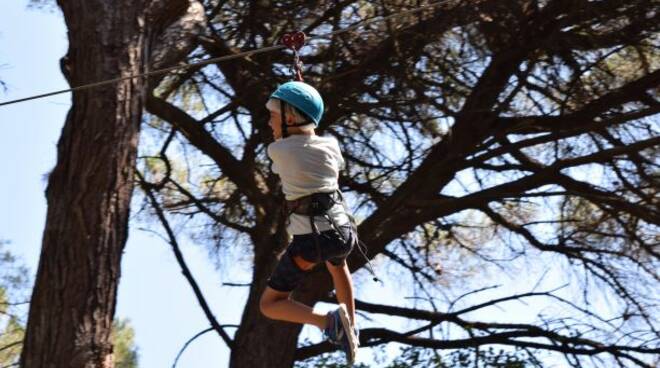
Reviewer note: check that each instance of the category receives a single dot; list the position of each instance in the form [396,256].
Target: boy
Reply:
[308,166]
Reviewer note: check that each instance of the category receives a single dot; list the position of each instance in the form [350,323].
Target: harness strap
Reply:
[362,248]
[310,206]
[316,232]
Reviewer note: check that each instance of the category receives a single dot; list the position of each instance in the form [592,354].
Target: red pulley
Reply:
[293,40]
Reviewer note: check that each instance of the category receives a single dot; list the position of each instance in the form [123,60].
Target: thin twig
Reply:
[182,263]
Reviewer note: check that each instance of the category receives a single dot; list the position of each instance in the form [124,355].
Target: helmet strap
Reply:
[285,126]
[285,132]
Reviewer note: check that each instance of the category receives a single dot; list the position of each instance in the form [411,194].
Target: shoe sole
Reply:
[348,330]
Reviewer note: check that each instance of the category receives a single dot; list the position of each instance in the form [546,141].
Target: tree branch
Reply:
[201,139]
[182,263]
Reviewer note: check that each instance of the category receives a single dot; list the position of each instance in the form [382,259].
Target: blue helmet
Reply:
[303,97]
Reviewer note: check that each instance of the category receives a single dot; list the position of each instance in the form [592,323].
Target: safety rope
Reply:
[228,57]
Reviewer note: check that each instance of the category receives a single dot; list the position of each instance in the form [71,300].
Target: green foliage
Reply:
[12,332]
[14,285]
[416,357]
[330,360]
[126,353]
[11,336]
[13,282]
[13,276]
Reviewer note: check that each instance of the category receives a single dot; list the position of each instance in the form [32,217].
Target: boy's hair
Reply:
[298,117]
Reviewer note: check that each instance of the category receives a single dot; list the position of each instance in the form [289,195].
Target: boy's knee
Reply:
[268,299]
[341,268]
[265,303]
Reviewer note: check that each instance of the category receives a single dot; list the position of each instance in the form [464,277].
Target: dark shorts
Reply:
[287,275]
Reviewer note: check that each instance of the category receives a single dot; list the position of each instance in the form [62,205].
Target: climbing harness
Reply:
[318,205]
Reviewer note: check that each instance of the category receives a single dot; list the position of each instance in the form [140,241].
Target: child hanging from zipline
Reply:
[308,166]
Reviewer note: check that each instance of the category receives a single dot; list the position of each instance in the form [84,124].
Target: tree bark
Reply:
[89,191]
[261,342]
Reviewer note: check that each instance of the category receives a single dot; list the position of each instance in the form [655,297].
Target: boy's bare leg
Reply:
[341,279]
[279,305]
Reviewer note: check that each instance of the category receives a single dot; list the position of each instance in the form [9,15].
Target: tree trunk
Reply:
[89,191]
[261,342]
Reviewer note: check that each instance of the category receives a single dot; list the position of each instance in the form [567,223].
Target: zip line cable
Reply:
[226,57]
[151,73]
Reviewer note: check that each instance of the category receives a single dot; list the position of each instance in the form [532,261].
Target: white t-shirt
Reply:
[308,164]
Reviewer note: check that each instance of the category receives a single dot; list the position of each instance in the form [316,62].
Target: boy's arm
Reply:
[272,153]
[340,159]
